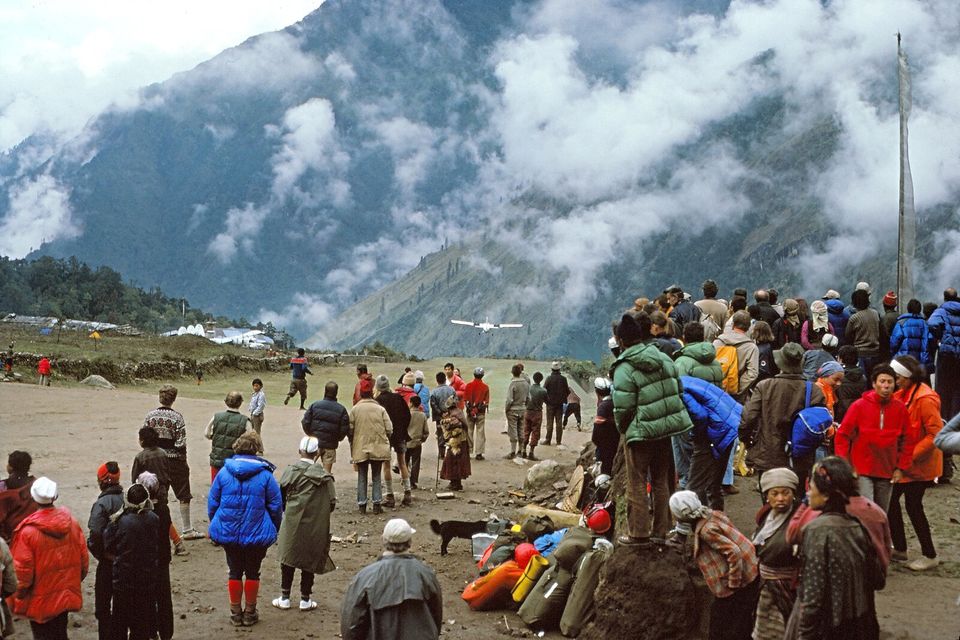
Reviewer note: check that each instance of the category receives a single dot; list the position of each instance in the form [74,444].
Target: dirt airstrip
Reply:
[70,431]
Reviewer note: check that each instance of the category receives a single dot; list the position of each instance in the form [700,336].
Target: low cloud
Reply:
[39,212]
[240,232]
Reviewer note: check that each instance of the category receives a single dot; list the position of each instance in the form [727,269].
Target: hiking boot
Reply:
[730,490]
[530,455]
[899,556]
[923,563]
[545,443]
[522,453]
[377,508]
[362,508]
[390,502]
[456,486]
[236,615]
[192,534]
[281,602]
[407,499]
[180,549]
[250,617]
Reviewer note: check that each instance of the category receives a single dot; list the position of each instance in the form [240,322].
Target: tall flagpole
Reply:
[907,232]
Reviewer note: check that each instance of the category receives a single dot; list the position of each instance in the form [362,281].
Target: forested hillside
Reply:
[71,289]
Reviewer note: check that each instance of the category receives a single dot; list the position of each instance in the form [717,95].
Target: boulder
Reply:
[543,475]
[97,381]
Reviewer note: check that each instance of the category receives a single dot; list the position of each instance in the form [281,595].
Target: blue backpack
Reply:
[810,426]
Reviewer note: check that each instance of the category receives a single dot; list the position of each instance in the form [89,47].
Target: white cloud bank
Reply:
[39,212]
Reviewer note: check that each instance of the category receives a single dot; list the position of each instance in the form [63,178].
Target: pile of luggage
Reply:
[549,574]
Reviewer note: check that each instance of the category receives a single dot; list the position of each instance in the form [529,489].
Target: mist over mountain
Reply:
[383,166]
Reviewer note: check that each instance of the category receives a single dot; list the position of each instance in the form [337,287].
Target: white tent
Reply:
[181,331]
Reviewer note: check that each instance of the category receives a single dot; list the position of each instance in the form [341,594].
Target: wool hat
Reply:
[740,291]
[831,294]
[829,368]
[43,490]
[409,379]
[478,372]
[109,473]
[864,286]
[890,299]
[309,444]
[779,477]
[398,531]
[830,341]
[555,366]
[791,307]
[383,383]
[789,359]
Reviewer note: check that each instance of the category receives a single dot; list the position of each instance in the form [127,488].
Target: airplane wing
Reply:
[509,326]
[465,323]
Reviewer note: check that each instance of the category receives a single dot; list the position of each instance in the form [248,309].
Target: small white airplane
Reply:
[486,326]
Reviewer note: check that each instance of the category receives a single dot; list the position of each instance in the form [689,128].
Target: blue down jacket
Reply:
[838,317]
[714,413]
[911,337]
[945,326]
[244,504]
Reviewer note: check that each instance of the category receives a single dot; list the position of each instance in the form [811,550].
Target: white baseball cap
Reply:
[398,531]
[309,444]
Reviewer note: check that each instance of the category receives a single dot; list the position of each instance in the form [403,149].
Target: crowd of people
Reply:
[830,407]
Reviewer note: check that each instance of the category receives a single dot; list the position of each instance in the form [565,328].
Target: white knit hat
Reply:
[44,490]
[309,444]
[398,531]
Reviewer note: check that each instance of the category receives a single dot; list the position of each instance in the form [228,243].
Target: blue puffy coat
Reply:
[244,504]
[714,412]
[944,324]
[838,318]
[911,337]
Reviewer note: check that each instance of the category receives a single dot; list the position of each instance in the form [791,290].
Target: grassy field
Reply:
[74,344]
[77,344]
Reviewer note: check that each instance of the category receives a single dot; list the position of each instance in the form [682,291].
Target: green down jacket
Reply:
[699,359]
[647,396]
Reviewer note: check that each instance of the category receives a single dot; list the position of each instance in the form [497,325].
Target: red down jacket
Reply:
[873,436]
[50,557]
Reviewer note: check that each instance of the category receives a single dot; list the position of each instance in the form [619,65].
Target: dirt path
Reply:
[70,432]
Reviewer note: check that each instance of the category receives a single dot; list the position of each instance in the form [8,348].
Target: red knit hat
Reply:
[109,473]
[890,300]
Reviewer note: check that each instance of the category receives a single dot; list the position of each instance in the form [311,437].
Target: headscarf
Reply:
[686,506]
[130,503]
[829,368]
[150,482]
[791,312]
[818,315]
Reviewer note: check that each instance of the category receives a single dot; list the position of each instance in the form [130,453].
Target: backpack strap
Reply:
[806,400]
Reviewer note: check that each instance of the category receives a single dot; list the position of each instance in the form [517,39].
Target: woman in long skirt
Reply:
[456,459]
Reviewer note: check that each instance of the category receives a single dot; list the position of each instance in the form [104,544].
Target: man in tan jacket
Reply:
[370,430]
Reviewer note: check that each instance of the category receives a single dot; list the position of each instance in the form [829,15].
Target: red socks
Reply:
[250,590]
[235,589]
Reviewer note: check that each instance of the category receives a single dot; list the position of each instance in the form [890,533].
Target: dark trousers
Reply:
[135,613]
[573,409]
[103,601]
[55,629]
[656,458]
[732,618]
[286,581]
[913,494]
[948,385]
[554,418]
[412,456]
[244,561]
[706,474]
[164,601]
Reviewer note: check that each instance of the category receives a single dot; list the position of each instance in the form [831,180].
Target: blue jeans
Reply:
[728,474]
[682,451]
[375,466]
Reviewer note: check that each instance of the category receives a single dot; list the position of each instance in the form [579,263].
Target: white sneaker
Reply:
[923,563]
[281,603]
[192,534]
[308,605]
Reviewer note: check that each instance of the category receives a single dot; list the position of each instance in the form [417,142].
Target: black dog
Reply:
[456,529]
